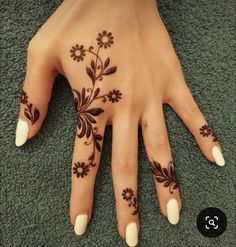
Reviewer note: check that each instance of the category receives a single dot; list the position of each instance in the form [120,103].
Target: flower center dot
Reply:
[78,53]
[113,96]
[105,39]
[80,170]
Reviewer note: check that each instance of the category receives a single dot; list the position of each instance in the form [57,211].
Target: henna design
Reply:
[206,131]
[105,39]
[128,195]
[80,169]
[165,175]
[85,114]
[30,113]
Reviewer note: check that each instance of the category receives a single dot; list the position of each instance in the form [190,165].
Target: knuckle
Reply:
[36,47]
[126,164]
[161,141]
[191,110]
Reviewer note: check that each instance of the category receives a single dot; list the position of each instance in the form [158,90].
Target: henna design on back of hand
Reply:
[31,113]
[128,195]
[86,115]
[206,131]
[165,175]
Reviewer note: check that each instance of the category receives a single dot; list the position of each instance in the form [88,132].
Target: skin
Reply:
[148,75]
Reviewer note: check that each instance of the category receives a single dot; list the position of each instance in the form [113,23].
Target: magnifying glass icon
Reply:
[211,222]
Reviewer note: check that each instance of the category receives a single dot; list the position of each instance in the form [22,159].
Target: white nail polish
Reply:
[131,234]
[173,211]
[22,131]
[218,156]
[81,224]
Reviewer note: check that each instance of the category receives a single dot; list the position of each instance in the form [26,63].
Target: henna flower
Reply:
[205,130]
[80,169]
[105,39]
[23,97]
[77,52]
[114,95]
[127,194]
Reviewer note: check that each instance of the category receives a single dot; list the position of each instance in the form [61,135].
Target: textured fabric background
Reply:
[35,179]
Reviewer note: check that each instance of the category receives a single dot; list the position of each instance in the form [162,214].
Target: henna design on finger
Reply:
[128,195]
[80,169]
[165,175]
[31,113]
[207,131]
[86,115]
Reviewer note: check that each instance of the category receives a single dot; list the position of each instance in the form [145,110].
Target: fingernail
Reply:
[22,131]
[131,234]
[81,224]
[218,156]
[173,211]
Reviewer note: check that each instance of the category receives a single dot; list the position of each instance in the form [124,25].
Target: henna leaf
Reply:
[166,184]
[95,111]
[82,133]
[90,118]
[35,116]
[78,96]
[83,95]
[111,70]
[175,186]
[91,157]
[135,212]
[106,62]
[86,100]
[93,65]
[27,114]
[98,146]
[90,73]
[89,128]
[165,172]
[78,122]
[75,103]
[29,106]
[96,92]
[98,137]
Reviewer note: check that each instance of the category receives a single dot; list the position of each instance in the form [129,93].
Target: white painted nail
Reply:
[173,211]
[131,234]
[81,224]
[218,156]
[22,131]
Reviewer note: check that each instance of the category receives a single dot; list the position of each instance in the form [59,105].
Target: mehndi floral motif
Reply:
[80,169]
[128,195]
[206,131]
[165,175]
[31,113]
[105,39]
[77,52]
[86,115]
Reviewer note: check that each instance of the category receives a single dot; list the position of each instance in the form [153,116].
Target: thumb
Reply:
[36,92]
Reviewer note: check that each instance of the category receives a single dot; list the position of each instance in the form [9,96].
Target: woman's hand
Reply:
[122,68]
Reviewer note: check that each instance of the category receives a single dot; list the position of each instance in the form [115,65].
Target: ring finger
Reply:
[124,173]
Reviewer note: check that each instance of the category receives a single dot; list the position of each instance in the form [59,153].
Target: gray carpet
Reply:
[35,179]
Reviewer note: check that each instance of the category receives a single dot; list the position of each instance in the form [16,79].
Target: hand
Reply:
[122,68]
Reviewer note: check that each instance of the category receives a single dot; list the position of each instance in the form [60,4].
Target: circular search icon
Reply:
[211,222]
